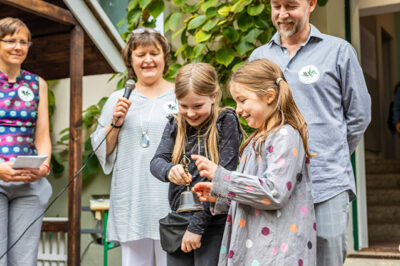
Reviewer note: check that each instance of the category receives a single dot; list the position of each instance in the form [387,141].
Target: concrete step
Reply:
[382,166]
[384,232]
[383,197]
[383,214]
[391,180]
[371,262]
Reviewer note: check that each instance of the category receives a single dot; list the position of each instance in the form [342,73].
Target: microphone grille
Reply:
[130,84]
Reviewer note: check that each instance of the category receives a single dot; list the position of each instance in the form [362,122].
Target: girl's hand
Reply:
[206,167]
[202,190]
[120,110]
[398,127]
[190,241]
[178,176]
[8,174]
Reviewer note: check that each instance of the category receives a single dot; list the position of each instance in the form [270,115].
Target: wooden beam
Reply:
[55,226]
[43,9]
[75,145]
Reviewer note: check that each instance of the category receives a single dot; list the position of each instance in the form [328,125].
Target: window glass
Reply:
[116,11]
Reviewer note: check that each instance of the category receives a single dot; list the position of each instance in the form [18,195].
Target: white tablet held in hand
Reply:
[34,161]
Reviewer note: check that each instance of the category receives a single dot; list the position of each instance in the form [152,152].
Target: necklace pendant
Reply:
[144,140]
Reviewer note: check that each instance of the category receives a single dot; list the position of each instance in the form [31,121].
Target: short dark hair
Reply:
[145,37]
[9,25]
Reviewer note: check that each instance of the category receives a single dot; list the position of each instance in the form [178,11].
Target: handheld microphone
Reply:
[129,87]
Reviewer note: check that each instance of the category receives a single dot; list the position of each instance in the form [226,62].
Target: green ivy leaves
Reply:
[225,56]
[196,22]
[172,21]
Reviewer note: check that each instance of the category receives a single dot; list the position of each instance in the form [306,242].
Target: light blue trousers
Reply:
[332,218]
[20,204]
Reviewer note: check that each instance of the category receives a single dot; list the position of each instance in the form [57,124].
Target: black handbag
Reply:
[172,228]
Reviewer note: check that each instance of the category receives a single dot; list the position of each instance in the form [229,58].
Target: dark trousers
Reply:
[206,255]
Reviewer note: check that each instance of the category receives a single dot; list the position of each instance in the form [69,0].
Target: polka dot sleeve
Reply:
[279,164]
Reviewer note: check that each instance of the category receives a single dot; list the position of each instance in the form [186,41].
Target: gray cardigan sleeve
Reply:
[272,189]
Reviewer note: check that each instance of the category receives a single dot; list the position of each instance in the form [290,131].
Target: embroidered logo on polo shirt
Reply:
[171,107]
[25,94]
[308,74]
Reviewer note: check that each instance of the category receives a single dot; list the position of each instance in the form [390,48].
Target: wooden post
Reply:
[75,145]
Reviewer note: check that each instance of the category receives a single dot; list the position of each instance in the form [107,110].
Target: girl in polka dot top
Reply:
[271,218]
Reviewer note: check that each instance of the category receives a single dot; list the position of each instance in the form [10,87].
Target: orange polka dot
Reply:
[295,152]
[259,159]
[266,201]
[242,222]
[293,228]
[233,220]
[244,159]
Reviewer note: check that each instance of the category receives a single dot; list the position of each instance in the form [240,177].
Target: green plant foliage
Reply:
[222,33]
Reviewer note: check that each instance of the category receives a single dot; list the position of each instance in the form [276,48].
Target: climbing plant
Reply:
[219,32]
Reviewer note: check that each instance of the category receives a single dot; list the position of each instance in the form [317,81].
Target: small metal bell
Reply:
[188,199]
[189,202]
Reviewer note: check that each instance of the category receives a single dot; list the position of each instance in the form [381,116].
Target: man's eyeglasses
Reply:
[13,43]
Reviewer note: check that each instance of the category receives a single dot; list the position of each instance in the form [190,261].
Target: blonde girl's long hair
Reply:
[258,76]
[202,79]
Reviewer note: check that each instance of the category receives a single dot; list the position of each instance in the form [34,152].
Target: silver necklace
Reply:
[144,139]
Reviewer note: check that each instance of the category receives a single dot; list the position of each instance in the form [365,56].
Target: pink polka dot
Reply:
[303,210]
[289,185]
[249,188]
[256,212]
[284,247]
[281,162]
[231,194]
[230,254]
[274,251]
[227,177]
[228,218]
[261,182]
[265,231]
[271,149]
[315,226]
[300,262]
[307,160]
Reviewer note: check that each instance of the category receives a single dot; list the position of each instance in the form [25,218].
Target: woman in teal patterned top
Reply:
[24,130]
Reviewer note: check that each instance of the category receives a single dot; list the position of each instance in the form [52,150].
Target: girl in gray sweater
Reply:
[271,217]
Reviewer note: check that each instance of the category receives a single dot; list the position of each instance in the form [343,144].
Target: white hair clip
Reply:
[278,80]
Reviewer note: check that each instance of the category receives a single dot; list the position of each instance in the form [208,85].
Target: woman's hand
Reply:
[178,176]
[35,174]
[190,241]
[398,127]
[8,174]
[203,190]
[120,111]
[206,167]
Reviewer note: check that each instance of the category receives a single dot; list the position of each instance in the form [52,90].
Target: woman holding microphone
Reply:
[137,199]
